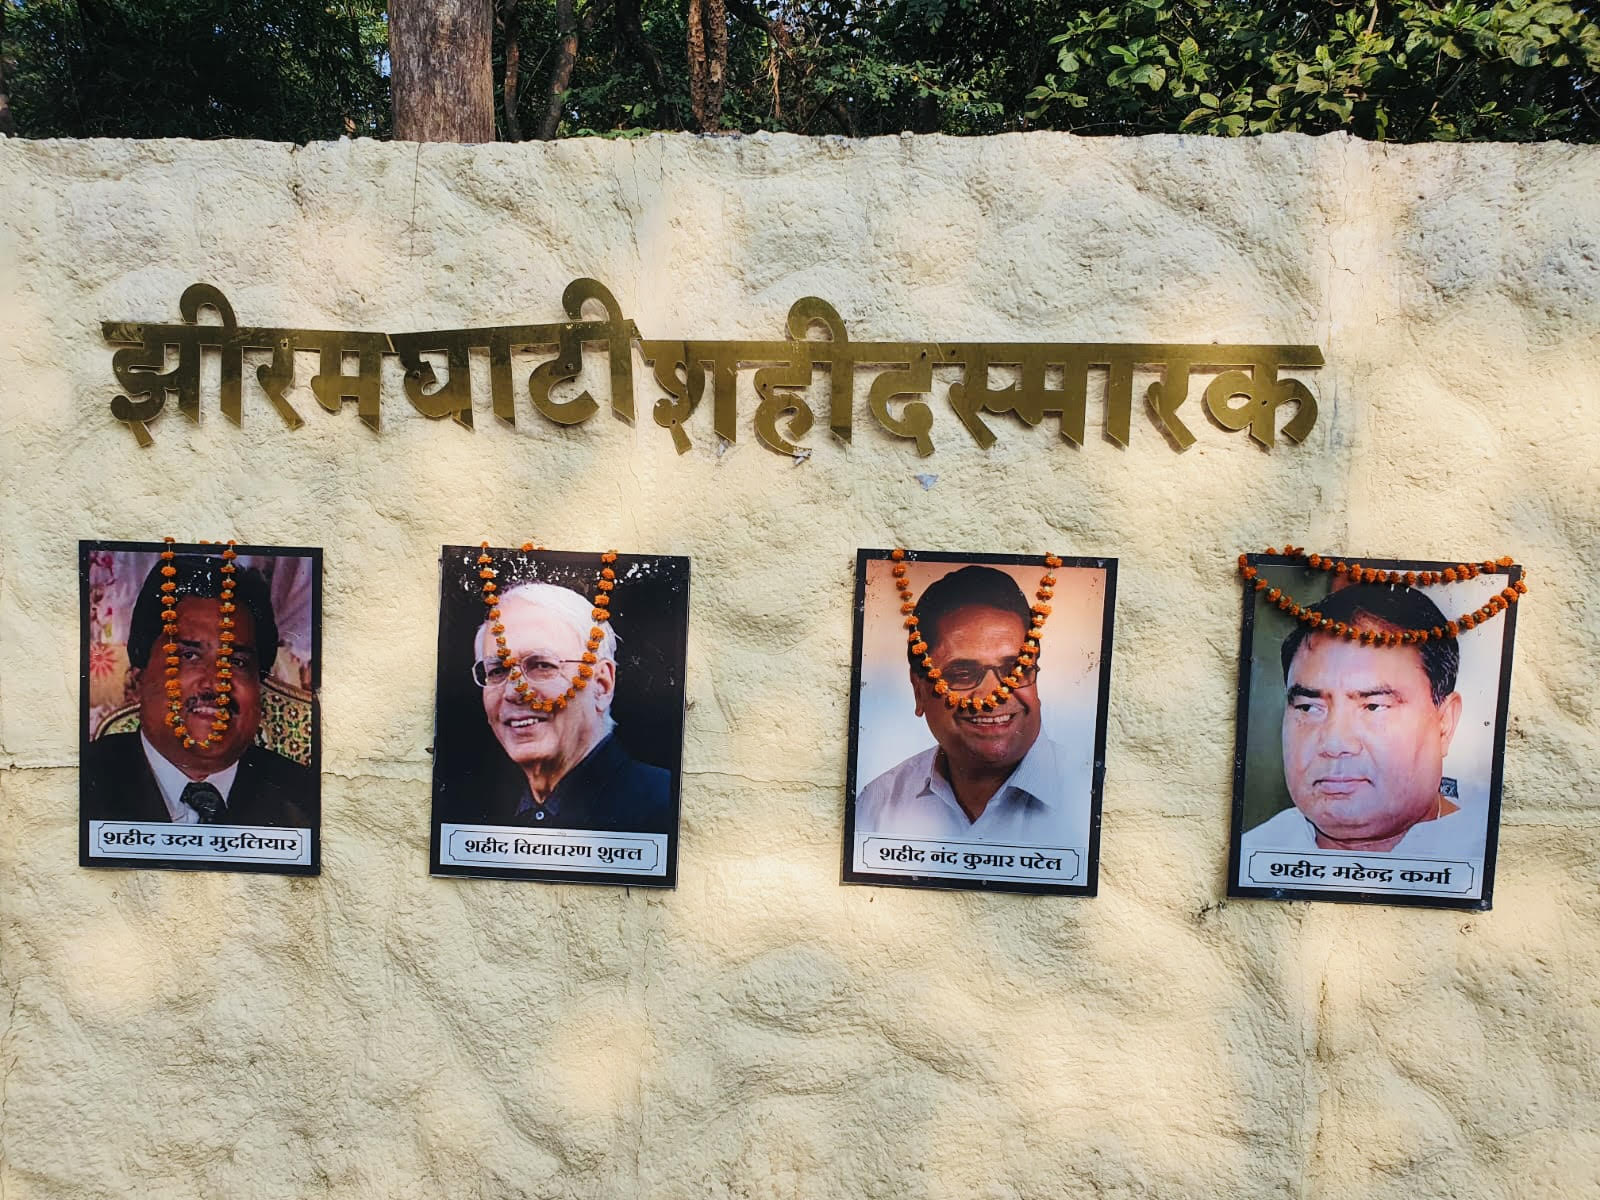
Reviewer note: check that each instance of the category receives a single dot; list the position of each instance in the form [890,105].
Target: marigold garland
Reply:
[600,612]
[223,681]
[1358,573]
[1026,657]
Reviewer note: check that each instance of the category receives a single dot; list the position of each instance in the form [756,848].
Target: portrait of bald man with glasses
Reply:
[571,771]
[991,775]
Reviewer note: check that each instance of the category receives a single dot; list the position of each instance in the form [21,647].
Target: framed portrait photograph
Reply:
[1371,743]
[978,721]
[200,731]
[558,732]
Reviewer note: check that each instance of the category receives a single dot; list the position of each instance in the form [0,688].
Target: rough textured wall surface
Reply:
[762,1031]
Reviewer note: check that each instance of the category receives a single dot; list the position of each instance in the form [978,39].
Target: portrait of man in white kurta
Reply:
[1372,738]
[979,744]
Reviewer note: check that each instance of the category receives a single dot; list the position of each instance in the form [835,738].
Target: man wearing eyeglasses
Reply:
[574,773]
[990,776]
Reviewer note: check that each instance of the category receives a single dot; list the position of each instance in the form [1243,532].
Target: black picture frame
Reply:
[650,615]
[1253,717]
[313,766]
[850,872]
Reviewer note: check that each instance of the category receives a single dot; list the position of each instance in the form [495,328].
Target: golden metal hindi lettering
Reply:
[330,385]
[1263,392]
[913,378]
[141,371]
[453,396]
[1039,380]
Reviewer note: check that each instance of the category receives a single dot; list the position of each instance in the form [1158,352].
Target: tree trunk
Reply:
[511,25]
[708,62]
[513,75]
[566,54]
[441,70]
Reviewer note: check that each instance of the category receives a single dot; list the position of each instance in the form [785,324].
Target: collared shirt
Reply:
[171,782]
[1039,804]
[1457,836]
[608,789]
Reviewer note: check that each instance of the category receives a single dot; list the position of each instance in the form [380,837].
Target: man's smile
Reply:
[527,720]
[988,720]
[206,706]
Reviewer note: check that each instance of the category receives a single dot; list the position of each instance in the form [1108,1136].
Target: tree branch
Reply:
[747,12]
[568,28]
[630,31]
[511,23]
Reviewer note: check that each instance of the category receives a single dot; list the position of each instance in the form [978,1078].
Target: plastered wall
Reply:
[762,1031]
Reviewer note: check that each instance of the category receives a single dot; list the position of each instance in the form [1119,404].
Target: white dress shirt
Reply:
[172,781]
[1038,805]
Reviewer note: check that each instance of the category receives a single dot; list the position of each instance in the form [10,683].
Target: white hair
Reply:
[571,608]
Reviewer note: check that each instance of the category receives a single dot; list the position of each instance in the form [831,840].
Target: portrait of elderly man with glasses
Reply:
[991,774]
[571,771]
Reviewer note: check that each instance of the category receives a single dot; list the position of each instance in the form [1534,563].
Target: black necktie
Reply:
[205,800]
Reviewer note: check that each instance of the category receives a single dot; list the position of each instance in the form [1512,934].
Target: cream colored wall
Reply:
[762,1031]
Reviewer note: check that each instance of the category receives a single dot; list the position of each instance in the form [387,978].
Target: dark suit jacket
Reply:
[609,790]
[116,784]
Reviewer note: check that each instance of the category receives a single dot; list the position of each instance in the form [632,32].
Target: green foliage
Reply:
[287,70]
[610,94]
[1407,71]
[806,66]
[1519,70]
[1399,70]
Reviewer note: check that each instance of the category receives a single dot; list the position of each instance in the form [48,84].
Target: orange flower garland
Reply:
[600,612]
[1361,574]
[1026,657]
[224,668]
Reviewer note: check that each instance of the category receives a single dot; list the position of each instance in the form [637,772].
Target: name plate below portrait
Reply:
[1358,872]
[968,860]
[588,850]
[201,843]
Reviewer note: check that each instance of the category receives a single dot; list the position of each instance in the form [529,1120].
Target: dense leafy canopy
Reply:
[1514,70]
[301,69]
[288,70]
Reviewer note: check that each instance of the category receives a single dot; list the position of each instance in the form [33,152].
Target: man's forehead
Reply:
[528,618]
[1322,657]
[207,611]
[972,615]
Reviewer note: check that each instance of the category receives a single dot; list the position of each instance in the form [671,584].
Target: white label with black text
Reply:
[518,848]
[202,843]
[1358,872]
[883,855]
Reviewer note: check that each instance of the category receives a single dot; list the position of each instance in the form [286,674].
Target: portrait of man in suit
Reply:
[189,772]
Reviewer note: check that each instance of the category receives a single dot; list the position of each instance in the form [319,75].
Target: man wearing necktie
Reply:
[151,775]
